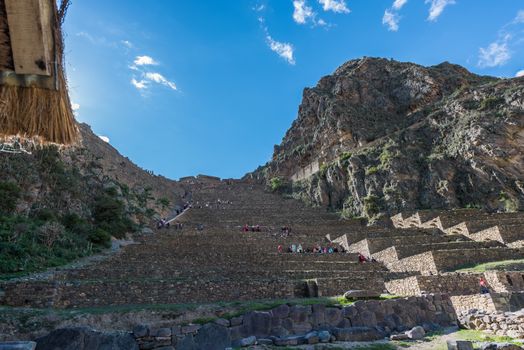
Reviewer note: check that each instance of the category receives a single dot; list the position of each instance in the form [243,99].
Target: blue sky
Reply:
[208,87]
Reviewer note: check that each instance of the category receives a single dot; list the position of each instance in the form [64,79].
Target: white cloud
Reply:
[259,8]
[398,4]
[284,50]
[437,7]
[145,61]
[520,17]
[338,6]
[160,79]
[127,44]
[75,106]
[496,54]
[104,138]
[391,19]
[302,12]
[139,84]
[520,73]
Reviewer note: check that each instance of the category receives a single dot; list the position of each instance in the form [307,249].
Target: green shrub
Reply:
[372,170]
[9,195]
[491,102]
[44,214]
[278,184]
[100,237]
[345,156]
[109,214]
[164,202]
[510,204]
[372,205]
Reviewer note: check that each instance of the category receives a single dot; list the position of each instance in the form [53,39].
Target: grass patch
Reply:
[513,265]
[478,336]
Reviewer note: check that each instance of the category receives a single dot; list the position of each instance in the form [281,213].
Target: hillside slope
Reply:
[382,136]
[61,204]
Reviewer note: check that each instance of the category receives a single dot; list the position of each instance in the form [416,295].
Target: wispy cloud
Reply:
[391,19]
[520,73]
[143,78]
[398,4]
[284,50]
[500,51]
[496,54]
[302,12]
[127,44]
[160,79]
[520,17]
[145,61]
[338,6]
[437,7]
[139,84]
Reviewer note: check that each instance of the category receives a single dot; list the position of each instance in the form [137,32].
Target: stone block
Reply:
[281,311]
[140,331]
[299,313]
[237,321]
[258,323]
[213,337]
[222,322]
[264,341]
[459,345]
[357,334]
[361,294]
[18,345]
[302,328]
[333,316]
[311,338]
[190,328]
[161,332]
[245,341]
[291,340]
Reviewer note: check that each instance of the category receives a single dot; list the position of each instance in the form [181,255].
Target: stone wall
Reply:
[452,284]
[505,281]
[446,260]
[387,256]
[292,325]
[465,303]
[489,234]
[404,287]
[338,286]
[307,171]
[421,262]
[499,323]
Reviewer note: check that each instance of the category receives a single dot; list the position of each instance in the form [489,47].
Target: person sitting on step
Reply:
[483,286]
[361,258]
[279,248]
[293,248]
[299,248]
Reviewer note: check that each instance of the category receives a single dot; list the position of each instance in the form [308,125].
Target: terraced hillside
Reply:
[211,259]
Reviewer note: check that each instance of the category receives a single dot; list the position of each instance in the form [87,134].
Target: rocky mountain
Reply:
[379,136]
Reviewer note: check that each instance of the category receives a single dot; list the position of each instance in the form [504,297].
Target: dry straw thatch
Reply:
[32,111]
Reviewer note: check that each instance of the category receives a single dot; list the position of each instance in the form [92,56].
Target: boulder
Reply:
[18,345]
[400,336]
[459,345]
[264,341]
[213,337]
[324,336]
[258,323]
[311,338]
[83,338]
[245,342]
[416,333]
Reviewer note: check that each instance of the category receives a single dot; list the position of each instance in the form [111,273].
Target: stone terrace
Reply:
[217,263]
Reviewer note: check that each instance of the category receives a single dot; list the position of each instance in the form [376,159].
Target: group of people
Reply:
[163,223]
[317,249]
[363,259]
[251,228]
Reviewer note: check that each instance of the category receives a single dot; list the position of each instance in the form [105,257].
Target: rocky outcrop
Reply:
[387,136]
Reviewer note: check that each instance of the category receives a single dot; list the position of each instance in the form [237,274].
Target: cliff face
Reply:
[388,136]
